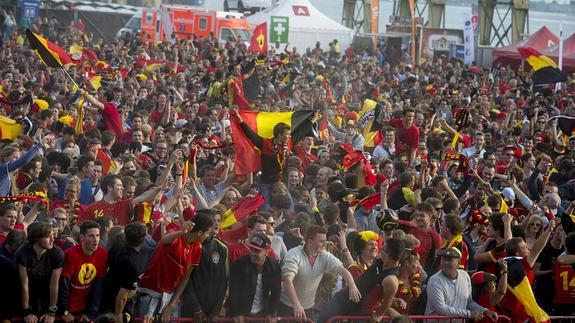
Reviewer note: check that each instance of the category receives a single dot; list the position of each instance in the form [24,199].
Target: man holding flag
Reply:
[273,151]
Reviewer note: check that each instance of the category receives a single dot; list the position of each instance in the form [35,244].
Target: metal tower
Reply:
[356,15]
[435,11]
[503,22]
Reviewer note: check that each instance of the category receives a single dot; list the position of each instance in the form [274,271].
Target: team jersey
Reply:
[120,211]
[169,264]
[564,278]
[82,270]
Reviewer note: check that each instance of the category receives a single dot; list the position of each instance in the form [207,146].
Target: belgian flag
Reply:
[368,202]
[368,120]
[519,286]
[545,71]
[241,210]
[51,54]
[262,123]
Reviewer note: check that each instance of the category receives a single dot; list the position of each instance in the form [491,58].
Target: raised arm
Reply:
[256,139]
[495,298]
[94,101]
[540,243]
[23,160]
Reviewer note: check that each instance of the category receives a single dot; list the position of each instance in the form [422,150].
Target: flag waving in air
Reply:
[368,122]
[545,71]
[51,54]
[241,210]
[248,158]
[259,43]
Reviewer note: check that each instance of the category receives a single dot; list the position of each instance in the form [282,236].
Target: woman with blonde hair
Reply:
[533,228]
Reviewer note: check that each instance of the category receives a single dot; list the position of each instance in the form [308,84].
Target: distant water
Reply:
[454,15]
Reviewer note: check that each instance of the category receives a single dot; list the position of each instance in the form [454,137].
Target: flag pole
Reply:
[69,76]
[558,85]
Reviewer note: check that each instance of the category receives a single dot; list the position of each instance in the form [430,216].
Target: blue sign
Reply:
[460,51]
[29,11]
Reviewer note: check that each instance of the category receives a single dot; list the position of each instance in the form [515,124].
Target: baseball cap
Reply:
[508,194]
[180,123]
[260,241]
[450,253]
[482,277]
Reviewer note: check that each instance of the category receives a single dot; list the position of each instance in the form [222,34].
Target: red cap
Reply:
[481,277]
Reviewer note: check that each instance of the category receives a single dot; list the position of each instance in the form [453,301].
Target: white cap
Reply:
[180,123]
[508,194]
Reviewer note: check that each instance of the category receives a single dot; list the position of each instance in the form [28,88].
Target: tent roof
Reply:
[541,39]
[568,53]
[568,48]
[314,21]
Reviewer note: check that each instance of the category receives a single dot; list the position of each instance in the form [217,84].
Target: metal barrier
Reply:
[420,318]
[247,319]
[562,319]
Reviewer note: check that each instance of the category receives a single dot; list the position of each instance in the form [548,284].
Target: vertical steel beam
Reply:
[436,14]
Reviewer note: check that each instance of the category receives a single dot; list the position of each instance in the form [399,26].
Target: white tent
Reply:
[307,25]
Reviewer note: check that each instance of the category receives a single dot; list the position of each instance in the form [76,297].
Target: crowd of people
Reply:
[121,200]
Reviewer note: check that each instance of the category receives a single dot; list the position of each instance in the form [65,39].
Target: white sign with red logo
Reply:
[300,10]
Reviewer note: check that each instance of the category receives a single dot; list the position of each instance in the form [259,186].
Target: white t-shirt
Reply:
[258,304]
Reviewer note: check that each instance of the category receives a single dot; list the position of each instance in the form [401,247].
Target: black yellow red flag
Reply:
[520,300]
[241,210]
[259,43]
[51,54]
[247,156]
[545,71]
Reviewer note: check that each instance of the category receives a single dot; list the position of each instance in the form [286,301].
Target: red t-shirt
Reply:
[484,301]
[169,264]
[564,278]
[430,241]
[111,119]
[82,270]
[3,236]
[119,211]
[406,138]
[305,157]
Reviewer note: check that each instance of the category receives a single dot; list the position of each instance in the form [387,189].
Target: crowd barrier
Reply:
[562,319]
[415,318]
[346,319]
[247,319]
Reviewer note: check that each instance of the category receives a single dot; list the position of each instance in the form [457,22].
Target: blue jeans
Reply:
[149,303]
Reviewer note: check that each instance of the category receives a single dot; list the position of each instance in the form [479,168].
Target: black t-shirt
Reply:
[39,270]
[10,299]
[122,273]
